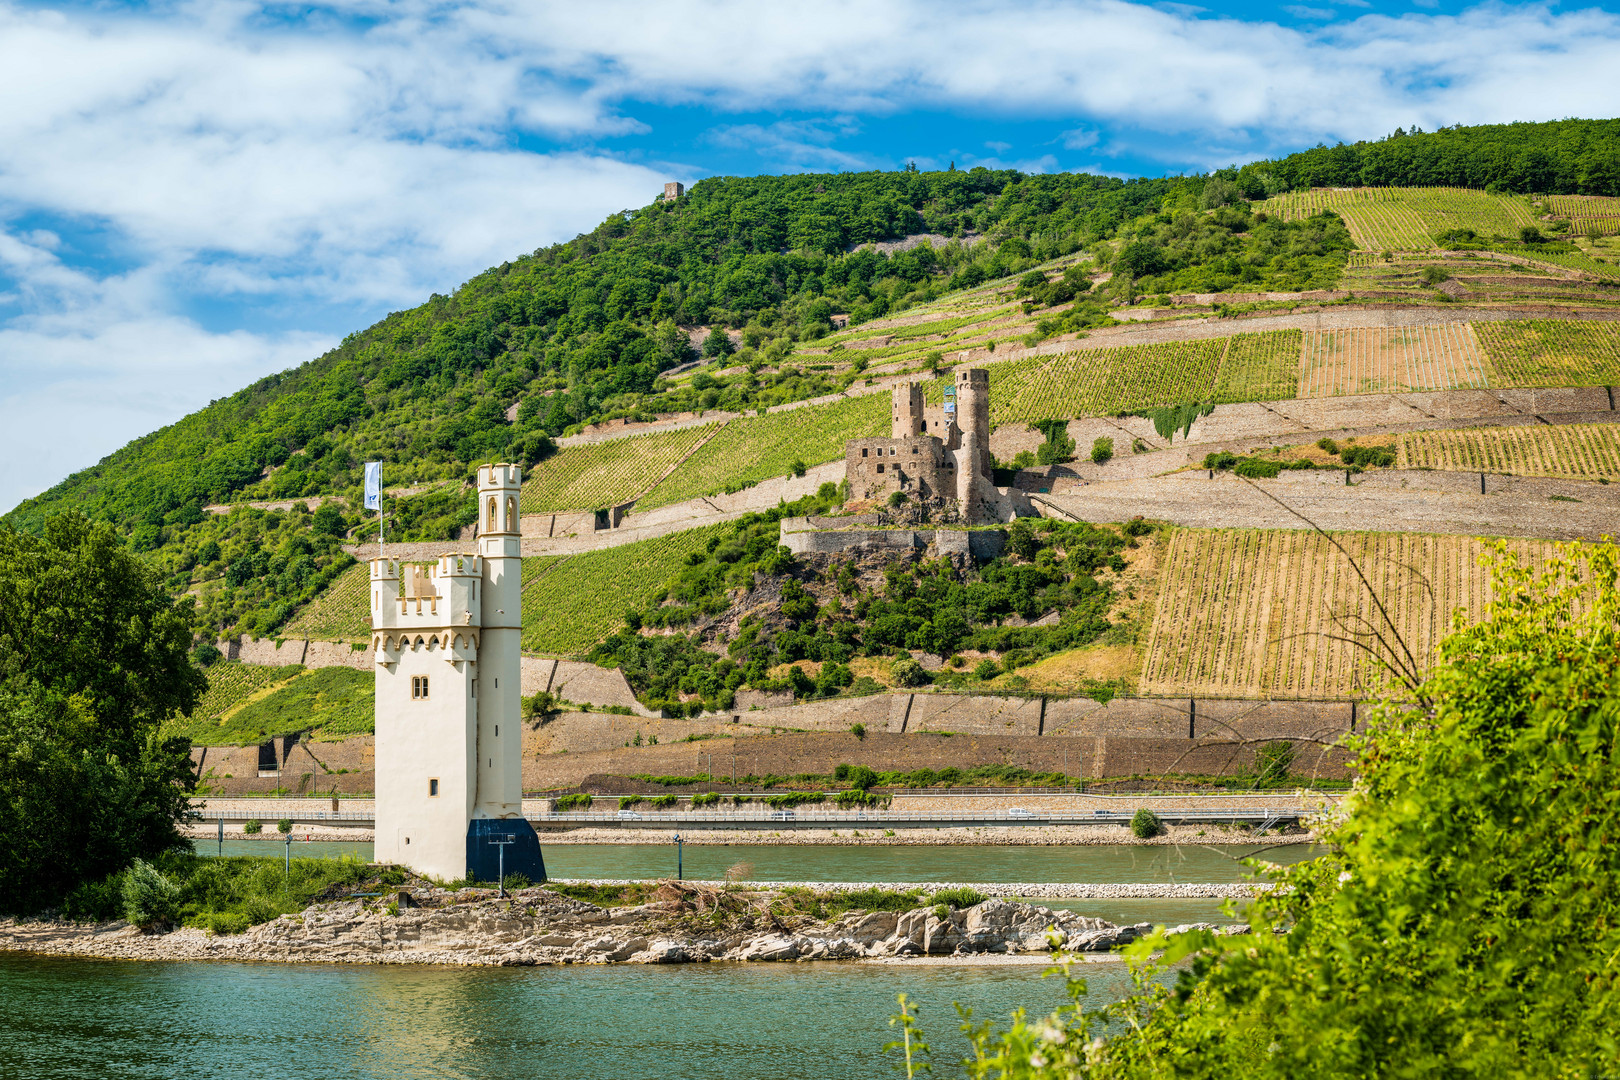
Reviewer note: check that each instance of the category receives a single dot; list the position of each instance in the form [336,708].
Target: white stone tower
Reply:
[449,740]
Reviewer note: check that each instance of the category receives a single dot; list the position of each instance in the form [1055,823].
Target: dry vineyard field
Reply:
[1443,356]
[1247,613]
[1577,451]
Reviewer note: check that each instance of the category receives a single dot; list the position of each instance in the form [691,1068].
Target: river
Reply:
[71,1019]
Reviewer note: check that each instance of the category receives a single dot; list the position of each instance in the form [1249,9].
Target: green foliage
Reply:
[332,702]
[1327,445]
[578,800]
[1461,923]
[962,897]
[905,671]
[1145,824]
[1273,761]
[94,657]
[858,730]
[1102,450]
[284,826]
[150,898]
[1230,249]
[252,827]
[1368,456]
[1169,419]
[789,799]
[514,882]
[627,801]
[706,798]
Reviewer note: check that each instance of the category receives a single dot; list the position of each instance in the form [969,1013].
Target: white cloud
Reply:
[361,153]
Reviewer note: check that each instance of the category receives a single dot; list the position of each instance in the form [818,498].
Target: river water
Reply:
[70,1019]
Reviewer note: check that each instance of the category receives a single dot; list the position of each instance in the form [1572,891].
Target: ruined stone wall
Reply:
[917,465]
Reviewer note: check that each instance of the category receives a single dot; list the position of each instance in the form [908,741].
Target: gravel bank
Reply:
[1023,890]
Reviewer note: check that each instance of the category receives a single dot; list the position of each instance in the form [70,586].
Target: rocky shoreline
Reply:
[683,922]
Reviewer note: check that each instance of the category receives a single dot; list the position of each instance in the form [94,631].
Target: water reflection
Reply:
[64,1019]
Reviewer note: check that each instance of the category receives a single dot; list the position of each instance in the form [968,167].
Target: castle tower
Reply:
[973,477]
[907,418]
[449,735]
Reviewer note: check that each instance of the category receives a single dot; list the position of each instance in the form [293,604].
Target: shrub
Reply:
[1327,445]
[963,897]
[907,672]
[205,654]
[627,801]
[897,498]
[1138,527]
[220,923]
[707,798]
[664,802]
[1257,468]
[284,826]
[1369,456]
[150,899]
[859,776]
[393,876]
[514,882]
[253,826]
[986,669]
[858,730]
[1102,450]
[579,800]
[1273,760]
[1145,825]
[95,901]
[1220,459]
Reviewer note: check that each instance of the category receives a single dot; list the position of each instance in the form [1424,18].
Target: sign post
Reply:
[680,874]
[500,843]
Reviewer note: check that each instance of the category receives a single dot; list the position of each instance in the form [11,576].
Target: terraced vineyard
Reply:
[1407,219]
[1586,212]
[1260,367]
[598,475]
[755,448]
[1248,613]
[571,605]
[341,613]
[1442,356]
[1547,352]
[1101,381]
[231,683]
[1580,451]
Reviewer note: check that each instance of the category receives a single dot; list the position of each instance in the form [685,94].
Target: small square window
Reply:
[880,468]
[863,451]
[914,450]
[433,788]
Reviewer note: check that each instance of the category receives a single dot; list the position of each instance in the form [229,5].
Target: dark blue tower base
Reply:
[522,855]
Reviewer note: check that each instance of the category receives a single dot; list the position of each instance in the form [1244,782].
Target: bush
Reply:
[986,669]
[514,882]
[253,827]
[284,826]
[907,672]
[150,899]
[1257,468]
[1102,450]
[664,802]
[393,877]
[579,800]
[1138,527]
[95,901]
[205,654]
[897,498]
[1369,456]
[858,730]
[226,922]
[627,801]
[859,776]
[1273,761]
[1220,459]
[1145,825]
[1327,445]
[963,897]
[707,798]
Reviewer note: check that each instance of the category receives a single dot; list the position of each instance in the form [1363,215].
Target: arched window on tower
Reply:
[511,514]
[491,526]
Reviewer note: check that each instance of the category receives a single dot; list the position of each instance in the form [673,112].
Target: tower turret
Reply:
[907,419]
[973,459]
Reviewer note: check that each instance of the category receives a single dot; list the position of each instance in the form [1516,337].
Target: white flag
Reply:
[373,485]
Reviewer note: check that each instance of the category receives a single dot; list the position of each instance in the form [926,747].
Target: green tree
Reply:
[718,343]
[1464,922]
[94,656]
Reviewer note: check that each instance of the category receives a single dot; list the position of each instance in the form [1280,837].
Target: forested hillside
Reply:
[745,270]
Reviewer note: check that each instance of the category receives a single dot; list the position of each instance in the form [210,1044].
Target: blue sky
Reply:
[193,195]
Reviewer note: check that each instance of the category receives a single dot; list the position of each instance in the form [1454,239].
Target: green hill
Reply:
[590,330]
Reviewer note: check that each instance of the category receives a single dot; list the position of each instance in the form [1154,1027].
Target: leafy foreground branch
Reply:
[1465,922]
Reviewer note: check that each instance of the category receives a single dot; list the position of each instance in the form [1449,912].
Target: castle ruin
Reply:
[933,457]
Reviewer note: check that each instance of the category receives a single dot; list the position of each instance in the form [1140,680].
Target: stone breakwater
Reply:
[683,924]
[1023,890]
